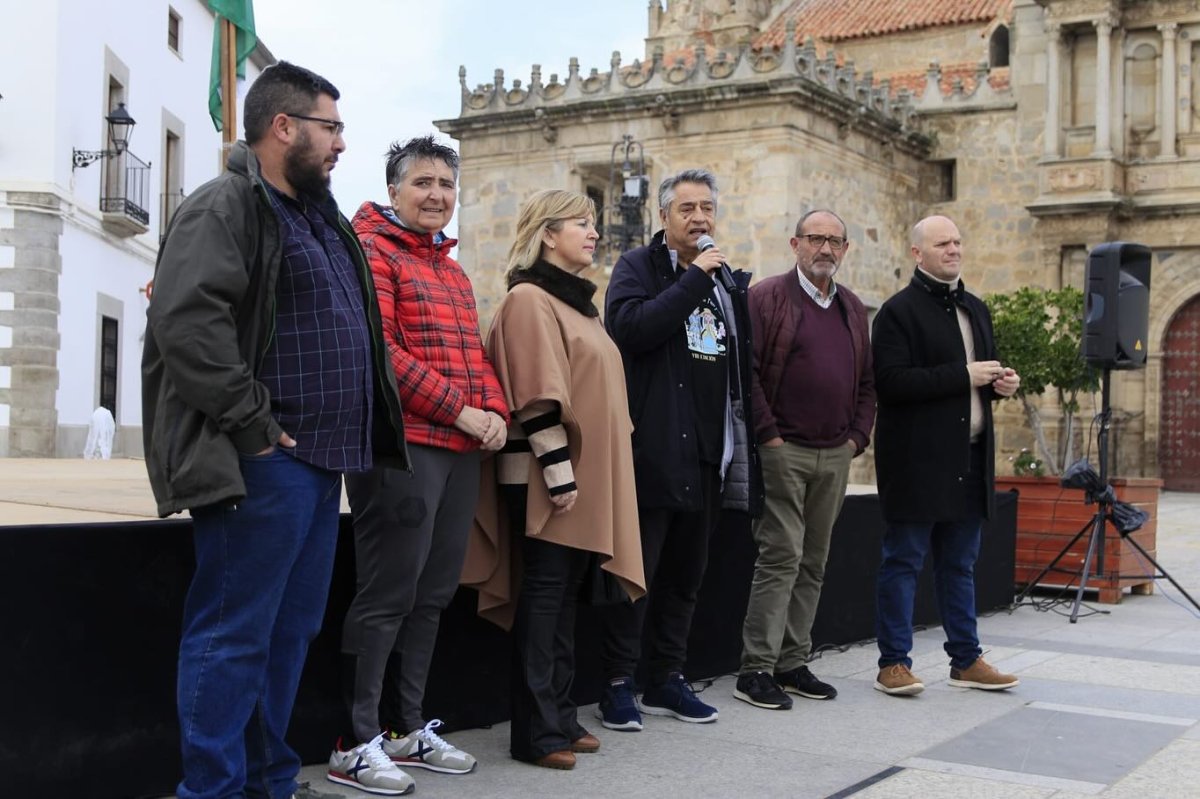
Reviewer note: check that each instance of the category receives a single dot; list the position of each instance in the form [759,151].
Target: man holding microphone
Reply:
[680,318]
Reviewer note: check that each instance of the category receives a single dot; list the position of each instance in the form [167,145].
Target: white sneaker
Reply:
[424,748]
[367,768]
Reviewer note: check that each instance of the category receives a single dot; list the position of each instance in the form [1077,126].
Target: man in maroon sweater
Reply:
[814,406]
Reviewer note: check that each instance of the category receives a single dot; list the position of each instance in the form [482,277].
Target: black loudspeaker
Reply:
[1117,314]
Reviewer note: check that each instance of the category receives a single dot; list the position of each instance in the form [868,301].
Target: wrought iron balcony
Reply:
[125,195]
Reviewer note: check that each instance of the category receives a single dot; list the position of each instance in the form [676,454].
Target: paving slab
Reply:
[915,783]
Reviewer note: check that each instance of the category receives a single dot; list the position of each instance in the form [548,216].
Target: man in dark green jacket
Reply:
[264,377]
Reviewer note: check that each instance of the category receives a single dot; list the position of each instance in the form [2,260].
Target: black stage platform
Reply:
[87,683]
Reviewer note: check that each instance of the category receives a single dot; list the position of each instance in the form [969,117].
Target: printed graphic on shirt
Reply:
[706,333]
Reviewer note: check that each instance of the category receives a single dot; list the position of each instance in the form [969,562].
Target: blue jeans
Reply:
[955,548]
[256,601]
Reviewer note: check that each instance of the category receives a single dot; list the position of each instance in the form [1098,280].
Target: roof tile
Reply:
[837,20]
[914,80]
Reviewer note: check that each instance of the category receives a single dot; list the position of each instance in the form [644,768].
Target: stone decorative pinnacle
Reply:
[789,42]
[657,81]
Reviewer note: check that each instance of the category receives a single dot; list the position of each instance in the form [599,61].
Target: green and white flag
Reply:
[241,14]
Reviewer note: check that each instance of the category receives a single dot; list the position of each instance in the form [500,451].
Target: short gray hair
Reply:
[666,189]
[422,148]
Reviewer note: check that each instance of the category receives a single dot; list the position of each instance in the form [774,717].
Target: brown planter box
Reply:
[1048,516]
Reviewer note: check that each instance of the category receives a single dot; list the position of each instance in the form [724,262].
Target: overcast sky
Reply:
[396,61]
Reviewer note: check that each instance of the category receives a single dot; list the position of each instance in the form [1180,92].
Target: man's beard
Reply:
[831,265]
[303,171]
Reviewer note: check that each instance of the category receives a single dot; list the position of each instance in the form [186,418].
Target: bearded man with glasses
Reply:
[814,405]
[265,377]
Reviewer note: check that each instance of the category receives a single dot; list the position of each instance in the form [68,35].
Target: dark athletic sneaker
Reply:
[760,689]
[618,708]
[676,698]
[802,682]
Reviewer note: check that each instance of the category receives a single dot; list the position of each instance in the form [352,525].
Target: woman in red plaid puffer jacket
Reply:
[410,528]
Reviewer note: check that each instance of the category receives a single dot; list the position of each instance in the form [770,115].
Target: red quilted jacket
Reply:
[431,329]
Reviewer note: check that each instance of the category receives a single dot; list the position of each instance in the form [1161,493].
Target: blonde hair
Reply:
[546,210]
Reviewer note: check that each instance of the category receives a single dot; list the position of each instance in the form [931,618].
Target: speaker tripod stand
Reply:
[1124,519]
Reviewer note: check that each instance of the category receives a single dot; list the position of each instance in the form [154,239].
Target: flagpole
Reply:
[228,84]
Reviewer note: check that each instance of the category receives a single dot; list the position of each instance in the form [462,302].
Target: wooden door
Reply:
[1179,447]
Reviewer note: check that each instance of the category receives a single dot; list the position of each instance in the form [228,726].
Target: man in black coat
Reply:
[681,320]
[936,375]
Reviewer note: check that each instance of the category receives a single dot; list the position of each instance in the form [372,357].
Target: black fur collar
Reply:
[573,290]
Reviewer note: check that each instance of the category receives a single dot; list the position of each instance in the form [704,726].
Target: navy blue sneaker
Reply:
[618,709]
[676,698]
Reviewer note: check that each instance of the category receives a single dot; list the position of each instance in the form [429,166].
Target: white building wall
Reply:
[63,52]
[86,293]
[28,47]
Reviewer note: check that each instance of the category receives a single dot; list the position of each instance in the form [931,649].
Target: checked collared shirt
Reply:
[318,362]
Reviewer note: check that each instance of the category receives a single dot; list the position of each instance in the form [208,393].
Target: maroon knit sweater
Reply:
[798,373]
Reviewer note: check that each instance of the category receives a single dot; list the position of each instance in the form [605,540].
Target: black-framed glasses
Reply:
[817,241]
[336,127]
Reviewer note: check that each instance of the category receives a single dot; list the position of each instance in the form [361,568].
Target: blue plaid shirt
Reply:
[318,363]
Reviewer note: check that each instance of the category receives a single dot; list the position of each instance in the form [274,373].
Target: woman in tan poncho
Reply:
[564,483]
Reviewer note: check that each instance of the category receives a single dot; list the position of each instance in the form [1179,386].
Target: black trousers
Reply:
[410,538]
[674,556]
[544,717]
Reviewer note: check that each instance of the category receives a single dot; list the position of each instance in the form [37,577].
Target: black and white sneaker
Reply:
[760,689]
[802,682]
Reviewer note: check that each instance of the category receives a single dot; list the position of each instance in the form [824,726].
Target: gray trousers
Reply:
[804,492]
[410,538]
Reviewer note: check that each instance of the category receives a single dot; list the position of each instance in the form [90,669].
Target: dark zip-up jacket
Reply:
[211,319]
[645,309]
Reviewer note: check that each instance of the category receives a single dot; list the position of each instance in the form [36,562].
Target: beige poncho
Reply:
[543,349]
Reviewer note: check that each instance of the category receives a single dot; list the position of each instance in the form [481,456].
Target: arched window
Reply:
[998,47]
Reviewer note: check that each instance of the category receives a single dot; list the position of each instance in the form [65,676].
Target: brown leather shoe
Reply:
[586,745]
[563,759]
[982,675]
[897,680]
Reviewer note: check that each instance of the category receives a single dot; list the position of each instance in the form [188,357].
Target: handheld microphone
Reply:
[706,242]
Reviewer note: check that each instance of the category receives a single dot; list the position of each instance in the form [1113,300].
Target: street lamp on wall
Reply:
[120,129]
[628,188]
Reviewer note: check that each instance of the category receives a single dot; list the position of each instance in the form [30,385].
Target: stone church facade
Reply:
[1043,127]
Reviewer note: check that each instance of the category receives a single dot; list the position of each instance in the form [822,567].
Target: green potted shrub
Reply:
[1039,334]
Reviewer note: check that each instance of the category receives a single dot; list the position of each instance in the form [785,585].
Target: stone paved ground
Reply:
[1108,707]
